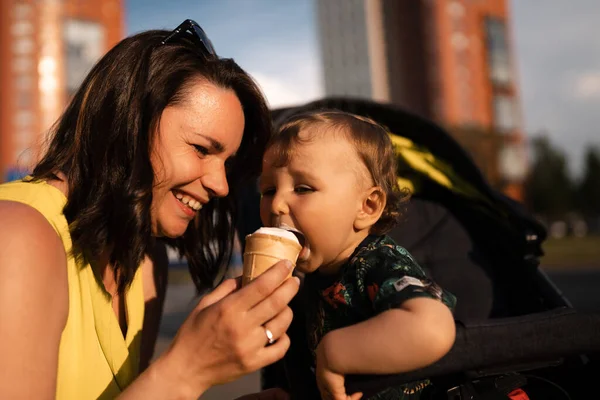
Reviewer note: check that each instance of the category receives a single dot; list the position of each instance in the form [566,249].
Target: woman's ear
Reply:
[372,206]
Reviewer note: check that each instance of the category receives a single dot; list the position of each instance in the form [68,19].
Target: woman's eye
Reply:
[203,151]
[303,189]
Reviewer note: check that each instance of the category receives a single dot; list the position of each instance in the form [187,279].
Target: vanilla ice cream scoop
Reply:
[284,233]
[267,246]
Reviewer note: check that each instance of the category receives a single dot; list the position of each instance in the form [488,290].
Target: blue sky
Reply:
[557,55]
[274,40]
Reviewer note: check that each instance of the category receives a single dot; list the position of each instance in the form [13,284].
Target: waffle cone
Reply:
[262,251]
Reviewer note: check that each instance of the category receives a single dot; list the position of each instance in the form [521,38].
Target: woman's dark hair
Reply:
[102,145]
[373,146]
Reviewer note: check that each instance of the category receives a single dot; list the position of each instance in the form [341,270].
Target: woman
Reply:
[153,145]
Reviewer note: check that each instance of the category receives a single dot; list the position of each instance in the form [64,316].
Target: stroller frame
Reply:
[538,336]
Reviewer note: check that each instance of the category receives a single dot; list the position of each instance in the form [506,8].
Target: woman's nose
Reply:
[216,182]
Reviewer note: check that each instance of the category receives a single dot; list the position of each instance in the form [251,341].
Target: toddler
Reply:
[332,176]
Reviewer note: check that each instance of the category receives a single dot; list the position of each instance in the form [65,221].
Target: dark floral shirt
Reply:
[380,275]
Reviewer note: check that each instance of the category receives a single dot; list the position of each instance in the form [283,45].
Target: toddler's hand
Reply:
[331,383]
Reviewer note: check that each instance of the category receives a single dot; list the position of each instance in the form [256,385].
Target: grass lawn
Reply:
[571,252]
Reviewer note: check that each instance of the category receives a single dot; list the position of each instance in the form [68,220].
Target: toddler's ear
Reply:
[371,209]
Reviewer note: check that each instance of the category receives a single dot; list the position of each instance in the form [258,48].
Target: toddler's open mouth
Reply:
[305,252]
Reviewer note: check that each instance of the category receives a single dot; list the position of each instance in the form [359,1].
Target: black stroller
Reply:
[514,328]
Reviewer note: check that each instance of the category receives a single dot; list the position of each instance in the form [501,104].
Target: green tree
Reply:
[548,188]
[588,190]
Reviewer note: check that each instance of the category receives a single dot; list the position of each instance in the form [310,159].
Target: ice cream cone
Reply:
[263,250]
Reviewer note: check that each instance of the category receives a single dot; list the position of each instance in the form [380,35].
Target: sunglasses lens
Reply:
[199,32]
[190,27]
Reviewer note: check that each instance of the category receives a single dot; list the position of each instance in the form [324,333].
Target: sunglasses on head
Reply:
[195,33]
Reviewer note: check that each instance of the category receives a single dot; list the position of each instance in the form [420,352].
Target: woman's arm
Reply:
[398,340]
[223,338]
[33,303]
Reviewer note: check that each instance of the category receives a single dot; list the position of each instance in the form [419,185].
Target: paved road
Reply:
[581,287]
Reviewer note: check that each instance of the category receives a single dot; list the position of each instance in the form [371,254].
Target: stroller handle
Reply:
[503,344]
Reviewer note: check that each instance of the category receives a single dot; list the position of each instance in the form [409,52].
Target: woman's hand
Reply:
[224,337]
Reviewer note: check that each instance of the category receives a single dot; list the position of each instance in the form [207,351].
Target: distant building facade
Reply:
[448,60]
[46,49]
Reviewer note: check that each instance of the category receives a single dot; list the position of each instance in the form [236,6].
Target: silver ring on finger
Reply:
[270,338]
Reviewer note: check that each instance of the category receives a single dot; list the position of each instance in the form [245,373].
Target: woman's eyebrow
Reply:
[218,146]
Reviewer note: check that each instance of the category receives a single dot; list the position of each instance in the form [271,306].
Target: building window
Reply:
[22,28]
[505,113]
[23,137]
[84,43]
[513,162]
[22,64]
[24,100]
[24,118]
[498,52]
[457,13]
[22,11]
[23,46]
[23,82]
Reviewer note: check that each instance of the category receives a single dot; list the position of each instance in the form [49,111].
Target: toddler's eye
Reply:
[267,192]
[303,189]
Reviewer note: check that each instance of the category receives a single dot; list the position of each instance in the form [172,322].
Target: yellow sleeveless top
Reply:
[95,361]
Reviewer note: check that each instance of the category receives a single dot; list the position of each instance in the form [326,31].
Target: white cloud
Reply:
[587,85]
[279,93]
[283,89]
[288,75]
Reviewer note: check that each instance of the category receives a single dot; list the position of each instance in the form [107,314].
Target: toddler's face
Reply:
[320,193]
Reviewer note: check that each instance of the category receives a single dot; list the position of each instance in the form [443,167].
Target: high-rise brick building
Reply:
[448,60]
[46,48]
